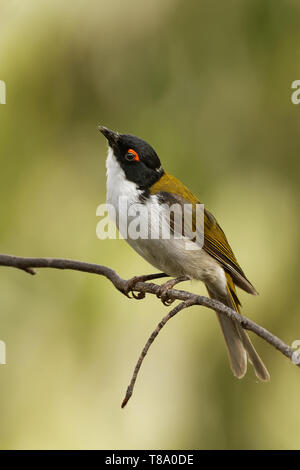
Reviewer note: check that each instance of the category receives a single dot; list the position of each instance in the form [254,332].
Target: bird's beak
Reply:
[111,136]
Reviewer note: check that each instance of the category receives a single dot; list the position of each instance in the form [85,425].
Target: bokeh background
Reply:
[208,84]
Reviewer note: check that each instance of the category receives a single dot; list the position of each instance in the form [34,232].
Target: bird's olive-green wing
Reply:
[215,241]
[216,244]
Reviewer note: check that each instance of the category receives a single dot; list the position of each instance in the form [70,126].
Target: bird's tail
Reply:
[237,341]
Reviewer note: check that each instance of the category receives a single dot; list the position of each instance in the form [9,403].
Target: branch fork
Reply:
[139,286]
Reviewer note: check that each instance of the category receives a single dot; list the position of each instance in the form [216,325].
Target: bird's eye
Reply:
[132,155]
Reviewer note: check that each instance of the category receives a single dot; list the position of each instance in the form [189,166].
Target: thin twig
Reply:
[172,313]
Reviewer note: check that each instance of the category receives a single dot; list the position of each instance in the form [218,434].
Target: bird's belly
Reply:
[160,253]
[171,257]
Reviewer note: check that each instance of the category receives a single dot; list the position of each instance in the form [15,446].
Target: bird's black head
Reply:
[137,158]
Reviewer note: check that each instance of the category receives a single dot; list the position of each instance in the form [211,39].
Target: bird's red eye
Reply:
[132,155]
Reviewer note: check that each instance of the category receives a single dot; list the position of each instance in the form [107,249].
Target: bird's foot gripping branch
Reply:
[141,285]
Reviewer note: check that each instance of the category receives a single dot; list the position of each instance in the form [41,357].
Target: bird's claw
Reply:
[129,288]
[163,292]
[130,284]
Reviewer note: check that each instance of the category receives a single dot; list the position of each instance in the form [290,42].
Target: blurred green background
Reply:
[208,84]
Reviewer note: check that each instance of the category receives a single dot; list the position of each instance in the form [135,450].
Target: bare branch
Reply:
[138,284]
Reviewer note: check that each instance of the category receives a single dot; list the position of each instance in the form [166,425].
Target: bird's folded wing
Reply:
[215,241]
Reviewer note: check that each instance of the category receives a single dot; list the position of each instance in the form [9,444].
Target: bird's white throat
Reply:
[117,185]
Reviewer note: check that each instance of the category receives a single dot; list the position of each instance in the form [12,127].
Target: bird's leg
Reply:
[164,289]
[129,288]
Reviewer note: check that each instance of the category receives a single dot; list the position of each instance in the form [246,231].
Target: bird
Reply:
[134,172]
